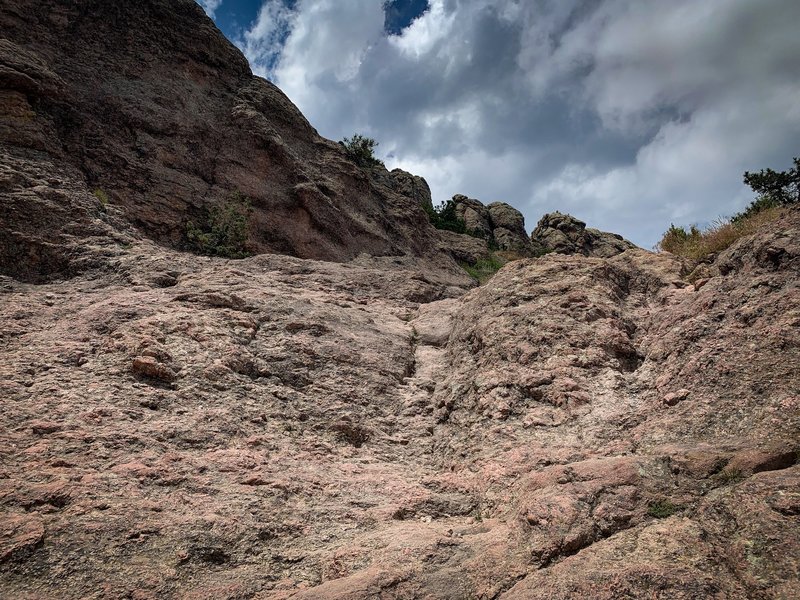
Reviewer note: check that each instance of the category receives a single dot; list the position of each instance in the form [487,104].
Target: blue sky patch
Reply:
[401,13]
[233,17]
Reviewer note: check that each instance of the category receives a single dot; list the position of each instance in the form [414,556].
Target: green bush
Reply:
[677,238]
[361,150]
[444,217]
[222,231]
[774,188]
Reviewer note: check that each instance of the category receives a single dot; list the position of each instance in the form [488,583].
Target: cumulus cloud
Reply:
[210,6]
[263,42]
[630,114]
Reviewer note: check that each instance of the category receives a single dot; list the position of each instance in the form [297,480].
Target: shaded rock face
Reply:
[148,103]
[464,248]
[474,214]
[564,234]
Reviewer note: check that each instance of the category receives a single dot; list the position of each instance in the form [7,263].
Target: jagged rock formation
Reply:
[178,426]
[412,186]
[147,103]
[498,222]
[564,234]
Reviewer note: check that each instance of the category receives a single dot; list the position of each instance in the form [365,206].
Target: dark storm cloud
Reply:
[630,114]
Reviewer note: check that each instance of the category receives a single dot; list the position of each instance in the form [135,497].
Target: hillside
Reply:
[150,108]
[343,414]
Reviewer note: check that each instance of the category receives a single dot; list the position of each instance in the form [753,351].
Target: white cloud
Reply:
[421,37]
[691,172]
[262,44]
[210,6]
[628,113]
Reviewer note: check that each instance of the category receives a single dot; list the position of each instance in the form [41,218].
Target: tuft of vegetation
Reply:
[102,198]
[484,268]
[355,435]
[729,476]
[661,509]
[696,244]
[775,190]
[361,150]
[222,231]
[444,217]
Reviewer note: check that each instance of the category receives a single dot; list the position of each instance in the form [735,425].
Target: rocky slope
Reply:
[584,425]
[177,426]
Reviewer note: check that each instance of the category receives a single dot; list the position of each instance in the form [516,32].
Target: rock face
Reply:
[411,186]
[147,103]
[474,214]
[277,427]
[499,223]
[508,227]
[181,426]
[464,248]
[565,234]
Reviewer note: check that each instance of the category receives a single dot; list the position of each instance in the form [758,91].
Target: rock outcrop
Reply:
[149,105]
[279,427]
[508,227]
[564,234]
[499,224]
[411,186]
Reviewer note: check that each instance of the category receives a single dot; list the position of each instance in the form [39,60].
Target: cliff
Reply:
[148,106]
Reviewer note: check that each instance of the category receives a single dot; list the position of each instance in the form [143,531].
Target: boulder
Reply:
[499,223]
[509,227]
[474,214]
[564,234]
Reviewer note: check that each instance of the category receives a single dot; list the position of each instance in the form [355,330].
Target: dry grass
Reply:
[697,244]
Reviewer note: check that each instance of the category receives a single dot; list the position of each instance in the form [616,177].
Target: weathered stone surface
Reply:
[506,216]
[498,224]
[352,441]
[20,535]
[474,214]
[148,366]
[412,186]
[673,398]
[177,426]
[565,234]
[464,248]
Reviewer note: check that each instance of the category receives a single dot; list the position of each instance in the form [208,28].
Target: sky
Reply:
[628,114]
